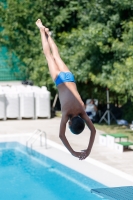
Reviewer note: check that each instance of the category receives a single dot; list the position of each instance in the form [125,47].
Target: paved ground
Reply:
[121,161]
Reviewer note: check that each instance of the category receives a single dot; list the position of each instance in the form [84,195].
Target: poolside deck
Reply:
[120,161]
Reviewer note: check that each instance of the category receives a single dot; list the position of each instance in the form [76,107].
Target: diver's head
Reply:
[76,125]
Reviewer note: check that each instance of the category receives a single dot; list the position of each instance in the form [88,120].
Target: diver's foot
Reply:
[47,31]
[40,25]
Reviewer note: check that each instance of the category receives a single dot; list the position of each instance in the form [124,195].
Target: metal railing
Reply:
[34,137]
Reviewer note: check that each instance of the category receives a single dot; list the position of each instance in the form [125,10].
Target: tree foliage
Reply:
[95,39]
[101,48]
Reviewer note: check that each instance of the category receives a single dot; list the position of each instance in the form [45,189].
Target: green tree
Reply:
[21,36]
[101,48]
[95,39]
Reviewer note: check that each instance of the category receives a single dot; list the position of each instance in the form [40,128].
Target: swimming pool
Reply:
[27,174]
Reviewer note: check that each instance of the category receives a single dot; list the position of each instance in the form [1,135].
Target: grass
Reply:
[114,128]
[58,114]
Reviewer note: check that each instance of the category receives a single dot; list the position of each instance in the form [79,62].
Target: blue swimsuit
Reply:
[64,77]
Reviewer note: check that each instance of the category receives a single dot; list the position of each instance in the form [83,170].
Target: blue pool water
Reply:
[26,174]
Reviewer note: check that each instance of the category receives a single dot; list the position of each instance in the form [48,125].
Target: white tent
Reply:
[27,105]
[2,106]
[12,105]
[42,104]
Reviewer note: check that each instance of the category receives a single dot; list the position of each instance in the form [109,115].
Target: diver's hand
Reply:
[85,153]
[80,155]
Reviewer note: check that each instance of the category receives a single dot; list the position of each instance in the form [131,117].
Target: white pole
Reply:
[108,106]
[55,100]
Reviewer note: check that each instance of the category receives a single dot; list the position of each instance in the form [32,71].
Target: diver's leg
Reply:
[53,67]
[61,65]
